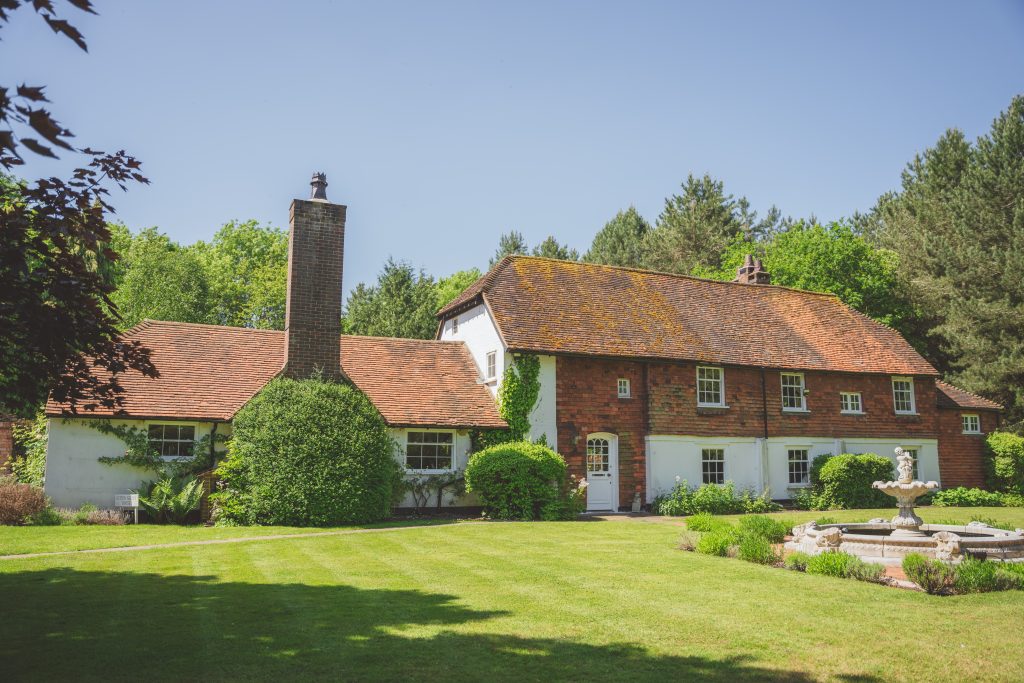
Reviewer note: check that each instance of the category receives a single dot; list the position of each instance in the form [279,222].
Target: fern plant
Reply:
[171,499]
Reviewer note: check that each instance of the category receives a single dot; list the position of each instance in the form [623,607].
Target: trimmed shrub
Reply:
[717,542]
[19,502]
[979,576]
[835,564]
[844,481]
[797,561]
[307,453]
[933,576]
[758,549]
[967,498]
[1013,500]
[1005,455]
[772,530]
[515,480]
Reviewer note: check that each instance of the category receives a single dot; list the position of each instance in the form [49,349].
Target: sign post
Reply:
[127,501]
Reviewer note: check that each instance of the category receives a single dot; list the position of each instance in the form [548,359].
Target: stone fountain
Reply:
[889,542]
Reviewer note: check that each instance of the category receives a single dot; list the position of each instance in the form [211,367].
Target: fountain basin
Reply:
[873,541]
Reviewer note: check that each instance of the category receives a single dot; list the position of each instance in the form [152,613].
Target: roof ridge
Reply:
[404,339]
[477,286]
[149,323]
[969,393]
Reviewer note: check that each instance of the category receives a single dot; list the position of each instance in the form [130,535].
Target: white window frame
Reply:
[455,325]
[624,388]
[171,423]
[843,395]
[803,392]
[916,448]
[964,417]
[405,450]
[789,460]
[913,397]
[721,386]
[703,451]
[491,371]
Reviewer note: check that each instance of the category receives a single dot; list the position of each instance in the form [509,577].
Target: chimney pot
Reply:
[319,185]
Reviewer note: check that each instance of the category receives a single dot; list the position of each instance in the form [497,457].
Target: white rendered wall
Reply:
[480,334]
[461,453]
[542,417]
[74,474]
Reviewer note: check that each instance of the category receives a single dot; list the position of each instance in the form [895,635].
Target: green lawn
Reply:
[600,600]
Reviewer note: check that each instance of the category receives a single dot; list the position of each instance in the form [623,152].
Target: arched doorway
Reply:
[602,472]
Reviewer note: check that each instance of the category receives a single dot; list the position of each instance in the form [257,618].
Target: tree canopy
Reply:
[621,241]
[401,304]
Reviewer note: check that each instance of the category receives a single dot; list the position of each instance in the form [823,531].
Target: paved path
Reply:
[216,541]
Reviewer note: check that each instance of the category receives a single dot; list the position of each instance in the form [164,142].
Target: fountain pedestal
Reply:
[906,523]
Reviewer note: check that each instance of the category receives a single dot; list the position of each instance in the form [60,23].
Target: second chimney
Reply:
[752,272]
[316,249]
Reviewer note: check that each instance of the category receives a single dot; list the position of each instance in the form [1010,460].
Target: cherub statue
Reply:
[905,466]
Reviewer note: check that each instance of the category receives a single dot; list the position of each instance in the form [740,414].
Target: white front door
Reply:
[602,472]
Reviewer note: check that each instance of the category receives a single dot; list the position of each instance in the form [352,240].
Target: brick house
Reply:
[649,378]
[644,377]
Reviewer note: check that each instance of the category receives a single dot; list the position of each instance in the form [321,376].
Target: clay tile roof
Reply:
[208,372]
[950,396]
[547,306]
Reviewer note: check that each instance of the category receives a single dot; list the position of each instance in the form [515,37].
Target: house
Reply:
[650,378]
[645,378]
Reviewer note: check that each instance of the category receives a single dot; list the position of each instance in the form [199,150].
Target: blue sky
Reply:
[443,124]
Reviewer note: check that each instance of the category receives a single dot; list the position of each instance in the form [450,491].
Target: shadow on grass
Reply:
[62,624]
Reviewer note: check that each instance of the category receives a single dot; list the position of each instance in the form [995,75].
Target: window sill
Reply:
[852,412]
[907,414]
[417,472]
[795,411]
[713,406]
[971,433]
[491,382]
[798,486]
[625,397]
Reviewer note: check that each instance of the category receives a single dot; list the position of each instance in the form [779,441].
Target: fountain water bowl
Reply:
[889,542]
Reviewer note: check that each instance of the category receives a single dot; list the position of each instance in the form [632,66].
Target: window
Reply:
[912,452]
[172,441]
[455,325]
[492,364]
[798,466]
[623,388]
[972,424]
[903,395]
[429,450]
[710,390]
[793,391]
[712,465]
[849,402]
[597,455]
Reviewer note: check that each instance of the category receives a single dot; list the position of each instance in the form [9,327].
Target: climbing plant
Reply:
[517,396]
[139,453]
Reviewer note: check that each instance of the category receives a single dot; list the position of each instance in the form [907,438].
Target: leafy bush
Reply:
[48,516]
[1005,455]
[19,502]
[714,499]
[865,571]
[1013,500]
[844,481]
[572,501]
[757,548]
[29,462]
[169,499]
[965,497]
[703,522]
[307,452]
[826,520]
[773,530]
[933,576]
[515,480]
[835,564]
[717,542]
[797,561]
[979,576]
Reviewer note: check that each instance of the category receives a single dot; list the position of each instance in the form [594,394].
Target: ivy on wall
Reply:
[139,453]
[517,396]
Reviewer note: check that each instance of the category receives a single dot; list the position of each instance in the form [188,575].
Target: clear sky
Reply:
[443,124]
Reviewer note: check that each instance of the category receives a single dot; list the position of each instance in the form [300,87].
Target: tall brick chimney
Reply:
[316,247]
[752,272]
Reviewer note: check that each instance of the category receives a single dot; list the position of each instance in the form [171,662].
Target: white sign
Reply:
[126,500]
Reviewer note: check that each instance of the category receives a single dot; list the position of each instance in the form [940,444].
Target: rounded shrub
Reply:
[704,522]
[756,548]
[844,481]
[773,530]
[308,453]
[797,561]
[717,542]
[933,576]
[1005,453]
[835,564]
[980,576]
[515,480]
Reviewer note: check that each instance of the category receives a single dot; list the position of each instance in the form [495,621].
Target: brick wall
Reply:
[962,456]
[6,444]
[664,401]
[316,246]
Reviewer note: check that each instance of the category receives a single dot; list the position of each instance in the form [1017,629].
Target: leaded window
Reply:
[597,455]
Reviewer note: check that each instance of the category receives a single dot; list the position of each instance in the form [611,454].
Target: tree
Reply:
[831,259]
[695,228]
[621,241]
[246,266]
[57,323]
[550,248]
[958,225]
[448,288]
[160,280]
[401,304]
[509,243]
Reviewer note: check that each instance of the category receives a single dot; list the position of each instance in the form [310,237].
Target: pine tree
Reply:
[510,243]
[550,248]
[621,241]
[401,304]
